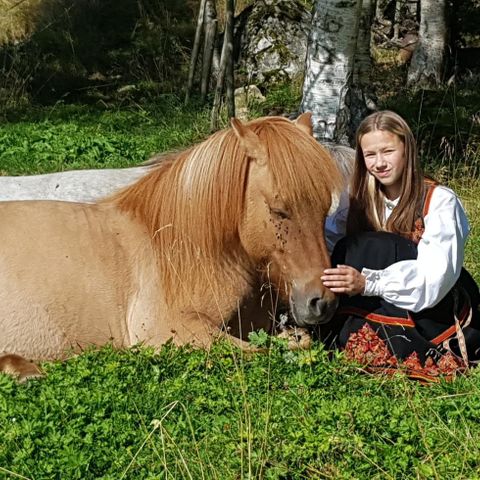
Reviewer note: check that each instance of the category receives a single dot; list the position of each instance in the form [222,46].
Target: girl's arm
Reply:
[418,284]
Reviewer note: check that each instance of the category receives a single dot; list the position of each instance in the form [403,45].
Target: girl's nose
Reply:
[380,160]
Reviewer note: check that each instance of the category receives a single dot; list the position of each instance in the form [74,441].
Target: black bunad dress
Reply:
[438,341]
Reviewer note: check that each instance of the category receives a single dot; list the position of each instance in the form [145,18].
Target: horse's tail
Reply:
[19,367]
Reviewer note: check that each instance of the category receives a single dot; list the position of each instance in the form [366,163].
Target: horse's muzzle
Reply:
[312,310]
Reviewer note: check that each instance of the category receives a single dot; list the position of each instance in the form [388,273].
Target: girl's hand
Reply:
[344,279]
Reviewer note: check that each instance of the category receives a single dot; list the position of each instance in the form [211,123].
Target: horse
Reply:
[91,185]
[85,186]
[179,254]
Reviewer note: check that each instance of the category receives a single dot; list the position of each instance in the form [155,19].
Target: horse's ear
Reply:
[304,122]
[249,141]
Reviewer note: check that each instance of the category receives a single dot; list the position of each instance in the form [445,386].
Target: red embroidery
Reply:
[368,349]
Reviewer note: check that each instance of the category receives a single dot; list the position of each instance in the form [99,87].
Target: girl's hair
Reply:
[366,197]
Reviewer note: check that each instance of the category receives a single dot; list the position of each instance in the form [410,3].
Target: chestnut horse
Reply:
[177,255]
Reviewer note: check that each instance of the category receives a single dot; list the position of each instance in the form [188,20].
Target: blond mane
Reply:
[192,203]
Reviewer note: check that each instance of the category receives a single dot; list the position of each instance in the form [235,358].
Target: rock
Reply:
[272,41]
[246,97]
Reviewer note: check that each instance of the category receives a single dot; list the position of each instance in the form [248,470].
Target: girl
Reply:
[404,294]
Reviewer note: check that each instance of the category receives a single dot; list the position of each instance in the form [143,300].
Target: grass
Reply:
[66,137]
[191,414]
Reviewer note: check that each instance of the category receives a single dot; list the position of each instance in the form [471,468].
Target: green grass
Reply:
[69,137]
[191,414]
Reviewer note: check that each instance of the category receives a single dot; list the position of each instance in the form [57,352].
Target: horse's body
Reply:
[86,186]
[177,255]
[91,185]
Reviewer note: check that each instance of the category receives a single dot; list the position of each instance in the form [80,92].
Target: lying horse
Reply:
[91,185]
[180,253]
[87,186]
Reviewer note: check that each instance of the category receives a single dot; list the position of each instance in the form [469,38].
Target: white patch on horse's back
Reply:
[85,186]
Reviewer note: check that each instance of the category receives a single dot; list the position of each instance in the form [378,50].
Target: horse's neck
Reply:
[190,269]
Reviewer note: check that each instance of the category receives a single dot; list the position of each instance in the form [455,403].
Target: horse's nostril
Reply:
[317,306]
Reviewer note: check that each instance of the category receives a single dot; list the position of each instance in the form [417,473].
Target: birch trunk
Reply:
[428,60]
[330,67]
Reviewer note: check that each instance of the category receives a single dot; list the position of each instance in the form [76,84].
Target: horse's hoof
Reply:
[298,338]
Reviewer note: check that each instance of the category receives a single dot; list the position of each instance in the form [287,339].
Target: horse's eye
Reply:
[279,213]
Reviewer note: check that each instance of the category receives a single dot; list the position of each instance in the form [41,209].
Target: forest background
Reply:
[95,84]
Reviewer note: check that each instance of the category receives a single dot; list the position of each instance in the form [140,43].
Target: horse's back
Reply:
[64,273]
[72,186]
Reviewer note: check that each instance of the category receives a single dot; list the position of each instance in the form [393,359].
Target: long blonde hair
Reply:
[366,197]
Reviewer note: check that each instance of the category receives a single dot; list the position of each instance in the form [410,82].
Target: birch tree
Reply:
[428,60]
[330,67]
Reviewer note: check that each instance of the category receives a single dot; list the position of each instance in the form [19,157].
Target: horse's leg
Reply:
[19,367]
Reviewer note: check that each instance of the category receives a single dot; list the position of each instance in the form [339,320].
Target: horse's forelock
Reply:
[304,172]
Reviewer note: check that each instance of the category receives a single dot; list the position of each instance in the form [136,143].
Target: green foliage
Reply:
[185,413]
[69,136]
[446,124]
[69,47]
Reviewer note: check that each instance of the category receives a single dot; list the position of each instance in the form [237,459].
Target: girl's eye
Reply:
[279,213]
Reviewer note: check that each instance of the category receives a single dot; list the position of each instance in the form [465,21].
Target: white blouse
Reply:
[418,284]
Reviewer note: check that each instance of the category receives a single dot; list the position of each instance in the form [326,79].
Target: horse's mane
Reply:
[192,202]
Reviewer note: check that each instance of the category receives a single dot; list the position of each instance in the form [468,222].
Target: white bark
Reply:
[428,60]
[330,67]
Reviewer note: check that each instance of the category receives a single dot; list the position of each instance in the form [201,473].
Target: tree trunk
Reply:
[361,99]
[229,78]
[413,8]
[210,33]
[226,66]
[195,50]
[428,60]
[330,67]
[397,21]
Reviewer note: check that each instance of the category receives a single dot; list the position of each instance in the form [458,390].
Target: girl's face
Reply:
[384,155]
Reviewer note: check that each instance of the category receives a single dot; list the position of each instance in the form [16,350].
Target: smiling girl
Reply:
[399,269]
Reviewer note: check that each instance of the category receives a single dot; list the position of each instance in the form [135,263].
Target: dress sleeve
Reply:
[418,284]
